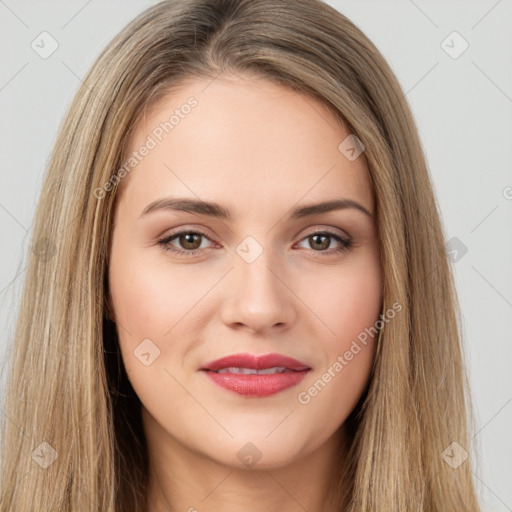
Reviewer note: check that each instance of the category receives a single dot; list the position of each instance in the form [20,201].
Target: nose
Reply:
[258,297]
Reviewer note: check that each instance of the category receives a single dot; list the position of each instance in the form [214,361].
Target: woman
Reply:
[306,353]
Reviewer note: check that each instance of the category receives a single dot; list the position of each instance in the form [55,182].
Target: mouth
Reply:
[256,376]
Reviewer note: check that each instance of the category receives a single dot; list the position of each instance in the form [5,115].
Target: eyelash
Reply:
[164,242]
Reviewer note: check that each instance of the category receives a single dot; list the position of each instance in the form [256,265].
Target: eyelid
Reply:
[328,229]
[187,229]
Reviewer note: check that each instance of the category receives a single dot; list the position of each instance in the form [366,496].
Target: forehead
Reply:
[241,141]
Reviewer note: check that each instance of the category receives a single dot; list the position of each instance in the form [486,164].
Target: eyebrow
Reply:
[216,210]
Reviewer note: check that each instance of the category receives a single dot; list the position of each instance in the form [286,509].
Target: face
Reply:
[256,275]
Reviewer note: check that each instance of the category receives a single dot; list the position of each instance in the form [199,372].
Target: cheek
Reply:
[141,302]
[149,297]
[154,305]
[349,305]
[348,299]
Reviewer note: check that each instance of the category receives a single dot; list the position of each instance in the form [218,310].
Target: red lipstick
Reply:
[256,376]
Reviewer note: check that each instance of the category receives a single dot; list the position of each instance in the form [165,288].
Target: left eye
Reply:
[323,240]
[190,242]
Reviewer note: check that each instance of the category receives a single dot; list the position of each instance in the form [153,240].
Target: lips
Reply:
[256,376]
[255,362]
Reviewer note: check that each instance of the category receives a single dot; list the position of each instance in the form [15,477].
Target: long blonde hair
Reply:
[71,434]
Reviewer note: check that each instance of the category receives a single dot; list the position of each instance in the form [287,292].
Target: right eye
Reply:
[187,239]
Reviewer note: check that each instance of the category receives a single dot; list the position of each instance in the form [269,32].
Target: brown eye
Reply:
[321,240]
[188,242]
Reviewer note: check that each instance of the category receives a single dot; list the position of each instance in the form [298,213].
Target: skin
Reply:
[259,149]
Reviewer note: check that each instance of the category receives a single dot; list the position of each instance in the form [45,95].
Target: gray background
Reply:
[463,108]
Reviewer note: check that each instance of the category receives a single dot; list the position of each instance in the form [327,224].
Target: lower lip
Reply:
[256,385]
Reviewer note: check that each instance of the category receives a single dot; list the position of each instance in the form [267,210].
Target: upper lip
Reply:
[257,362]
